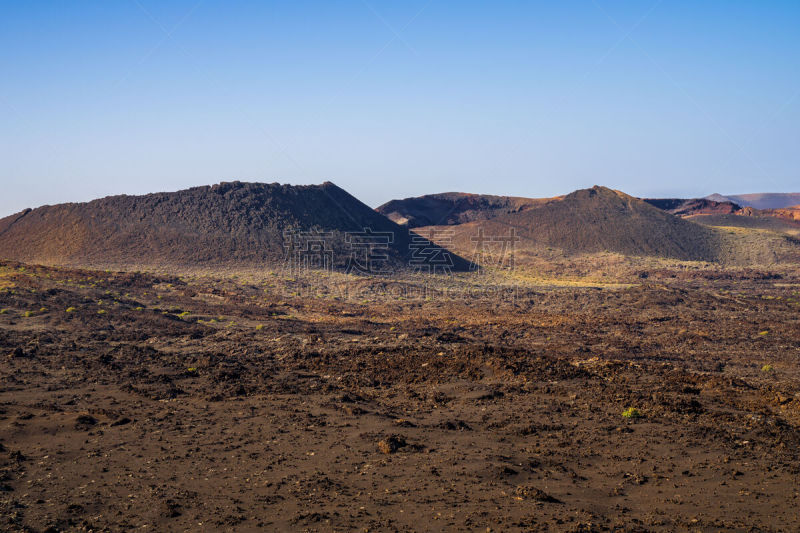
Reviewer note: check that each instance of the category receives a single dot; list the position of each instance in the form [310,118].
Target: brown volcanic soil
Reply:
[454,208]
[226,224]
[237,404]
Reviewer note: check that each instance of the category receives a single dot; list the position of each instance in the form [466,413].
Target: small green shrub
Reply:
[259,327]
[631,412]
[3,311]
[28,313]
[101,312]
[71,309]
[767,368]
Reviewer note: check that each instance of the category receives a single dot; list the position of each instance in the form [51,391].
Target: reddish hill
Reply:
[229,223]
[788,213]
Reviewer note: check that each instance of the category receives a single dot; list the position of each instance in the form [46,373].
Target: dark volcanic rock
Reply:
[391,444]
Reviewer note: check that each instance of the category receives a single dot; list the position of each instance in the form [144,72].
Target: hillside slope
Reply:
[229,223]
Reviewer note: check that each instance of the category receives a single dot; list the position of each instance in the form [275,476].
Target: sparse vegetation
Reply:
[484,381]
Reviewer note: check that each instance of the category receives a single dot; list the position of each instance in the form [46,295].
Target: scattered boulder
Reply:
[170,509]
[18,353]
[17,456]
[529,492]
[391,444]
[85,422]
[455,425]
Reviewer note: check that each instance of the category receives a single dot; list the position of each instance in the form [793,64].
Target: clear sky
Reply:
[397,99]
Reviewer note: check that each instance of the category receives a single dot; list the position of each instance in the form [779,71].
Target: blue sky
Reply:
[397,99]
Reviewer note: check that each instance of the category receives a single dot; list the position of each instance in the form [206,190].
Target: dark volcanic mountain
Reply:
[226,224]
[597,220]
[453,208]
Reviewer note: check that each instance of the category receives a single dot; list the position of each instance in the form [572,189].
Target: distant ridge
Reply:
[724,213]
[231,223]
[760,200]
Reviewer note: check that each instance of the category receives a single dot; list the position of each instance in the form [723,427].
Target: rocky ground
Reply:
[198,403]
